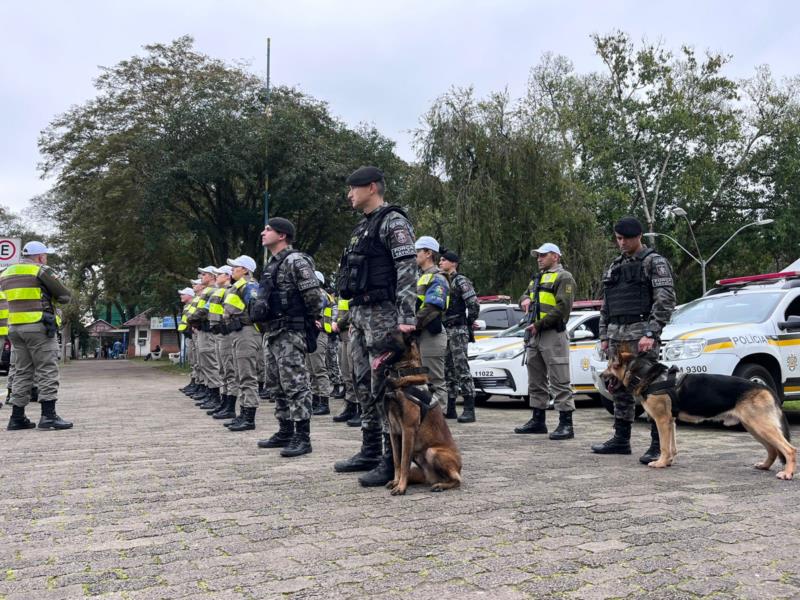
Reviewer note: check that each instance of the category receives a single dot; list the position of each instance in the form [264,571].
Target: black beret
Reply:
[628,227]
[450,255]
[282,225]
[364,176]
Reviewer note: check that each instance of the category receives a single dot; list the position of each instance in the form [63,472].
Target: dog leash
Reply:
[669,386]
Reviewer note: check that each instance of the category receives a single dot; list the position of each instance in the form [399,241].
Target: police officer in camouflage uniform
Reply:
[317,360]
[351,414]
[291,301]
[458,320]
[638,300]
[377,275]
[548,302]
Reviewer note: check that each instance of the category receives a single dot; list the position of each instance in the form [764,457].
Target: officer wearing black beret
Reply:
[638,300]
[363,176]
[282,225]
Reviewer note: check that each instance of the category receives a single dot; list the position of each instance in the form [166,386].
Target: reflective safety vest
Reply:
[233,297]
[215,308]
[187,310]
[422,285]
[547,299]
[3,314]
[327,313]
[23,291]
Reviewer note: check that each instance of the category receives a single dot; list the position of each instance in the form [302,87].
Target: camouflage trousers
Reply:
[227,370]
[624,402]
[456,366]
[318,368]
[346,364]
[262,359]
[287,375]
[332,360]
[247,352]
[370,324]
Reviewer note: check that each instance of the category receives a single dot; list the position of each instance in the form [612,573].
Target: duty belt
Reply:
[371,297]
[627,319]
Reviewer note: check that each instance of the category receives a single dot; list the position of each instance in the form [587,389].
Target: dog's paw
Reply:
[785,475]
[398,491]
[437,487]
[391,484]
[762,466]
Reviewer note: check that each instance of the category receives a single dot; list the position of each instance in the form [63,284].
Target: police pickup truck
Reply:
[747,326]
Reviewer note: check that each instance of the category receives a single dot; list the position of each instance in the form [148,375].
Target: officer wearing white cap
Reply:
[32,291]
[190,334]
[245,342]
[548,302]
[321,388]
[206,346]
[222,342]
[433,291]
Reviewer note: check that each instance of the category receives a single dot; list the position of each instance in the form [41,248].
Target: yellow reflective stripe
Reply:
[4,313]
[215,308]
[547,298]
[240,283]
[343,305]
[21,269]
[3,331]
[425,279]
[58,320]
[327,312]
[235,301]
[548,278]
[421,297]
[327,327]
[24,318]
[24,294]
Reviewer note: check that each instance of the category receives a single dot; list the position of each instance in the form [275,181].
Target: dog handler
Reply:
[638,300]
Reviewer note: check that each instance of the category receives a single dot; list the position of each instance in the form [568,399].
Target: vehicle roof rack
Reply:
[765,278]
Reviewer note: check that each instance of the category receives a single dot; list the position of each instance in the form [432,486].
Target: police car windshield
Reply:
[737,308]
[518,331]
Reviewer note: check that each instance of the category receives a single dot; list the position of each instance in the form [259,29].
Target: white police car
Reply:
[496,362]
[747,326]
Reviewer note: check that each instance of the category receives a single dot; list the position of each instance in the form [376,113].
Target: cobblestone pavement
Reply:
[148,498]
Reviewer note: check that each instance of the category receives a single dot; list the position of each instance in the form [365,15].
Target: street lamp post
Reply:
[703,262]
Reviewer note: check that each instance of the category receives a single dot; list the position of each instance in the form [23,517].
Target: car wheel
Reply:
[481,398]
[758,374]
[609,406]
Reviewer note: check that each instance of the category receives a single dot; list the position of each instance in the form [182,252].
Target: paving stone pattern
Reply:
[148,498]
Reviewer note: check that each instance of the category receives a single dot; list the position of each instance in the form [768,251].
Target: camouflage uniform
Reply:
[332,360]
[345,362]
[623,334]
[457,325]
[433,290]
[287,375]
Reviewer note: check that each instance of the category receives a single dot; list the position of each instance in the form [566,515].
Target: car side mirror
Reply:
[582,335]
[792,323]
[480,324]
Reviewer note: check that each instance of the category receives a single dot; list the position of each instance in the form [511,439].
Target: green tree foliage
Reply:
[166,169]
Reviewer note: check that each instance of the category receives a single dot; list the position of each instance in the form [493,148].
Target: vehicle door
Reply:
[583,339]
[788,341]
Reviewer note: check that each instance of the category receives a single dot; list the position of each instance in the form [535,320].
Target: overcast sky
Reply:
[378,62]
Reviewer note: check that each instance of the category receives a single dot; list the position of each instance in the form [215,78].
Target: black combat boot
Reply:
[365,459]
[468,414]
[536,424]
[49,419]
[355,420]
[187,387]
[384,472]
[338,391]
[223,399]
[654,451]
[18,420]
[248,420]
[564,430]
[301,440]
[35,394]
[314,403]
[211,401]
[348,411]
[323,408]
[201,395]
[263,393]
[450,413]
[227,410]
[236,419]
[620,443]
[281,437]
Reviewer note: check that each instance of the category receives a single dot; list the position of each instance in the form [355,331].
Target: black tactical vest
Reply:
[367,272]
[628,292]
[456,313]
[281,303]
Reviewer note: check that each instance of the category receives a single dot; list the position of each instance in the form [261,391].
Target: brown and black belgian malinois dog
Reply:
[697,397]
[418,430]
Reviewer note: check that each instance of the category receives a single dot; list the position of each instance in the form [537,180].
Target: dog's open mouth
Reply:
[612,383]
[381,360]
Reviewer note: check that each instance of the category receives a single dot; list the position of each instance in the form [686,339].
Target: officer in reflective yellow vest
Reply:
[32,290]
[341,325]
[548,302]
[316,361]
[433,292]
[245,345]
[187,297]
[192,354]
[222,343]
[4,332]
[206,345]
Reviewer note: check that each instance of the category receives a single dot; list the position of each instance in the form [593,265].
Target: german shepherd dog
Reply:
[418,431]
[695,398]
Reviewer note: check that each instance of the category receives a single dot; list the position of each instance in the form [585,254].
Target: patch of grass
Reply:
[120,573]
